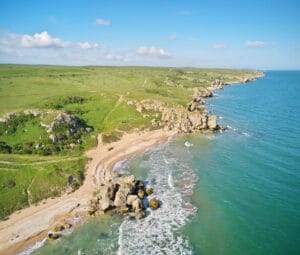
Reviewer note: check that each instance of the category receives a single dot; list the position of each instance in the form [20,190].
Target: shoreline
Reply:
[26,227]
[29,225]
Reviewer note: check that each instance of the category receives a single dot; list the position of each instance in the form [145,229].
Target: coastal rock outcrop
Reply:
[191,119]
[124,195]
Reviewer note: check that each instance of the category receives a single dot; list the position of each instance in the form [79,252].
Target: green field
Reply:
[32,167]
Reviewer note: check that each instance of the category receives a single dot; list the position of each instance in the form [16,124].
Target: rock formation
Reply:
[124,195]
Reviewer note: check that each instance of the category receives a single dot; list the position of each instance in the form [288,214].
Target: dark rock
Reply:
[141,193]
[139,184]
[54,235]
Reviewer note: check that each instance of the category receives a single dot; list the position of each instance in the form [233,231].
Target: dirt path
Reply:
[38,163]
[120,100]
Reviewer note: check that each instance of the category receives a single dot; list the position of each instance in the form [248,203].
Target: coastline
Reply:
[24,228]
[27,226]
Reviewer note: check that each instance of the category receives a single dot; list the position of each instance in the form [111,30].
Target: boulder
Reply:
[141,193]
[59,228]
[105,202]
[139,184]
[139,214]
[130,199]
[195,119]
[212,122]
[153,203]
[149,191]
[120,199]
[137,204]
[54,235]
[67,225]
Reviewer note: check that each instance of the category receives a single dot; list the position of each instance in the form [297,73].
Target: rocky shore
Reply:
[190,119]
[125,195]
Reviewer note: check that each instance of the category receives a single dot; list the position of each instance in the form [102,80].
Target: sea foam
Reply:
[159,232]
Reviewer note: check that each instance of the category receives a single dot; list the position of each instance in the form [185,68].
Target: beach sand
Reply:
[27,226]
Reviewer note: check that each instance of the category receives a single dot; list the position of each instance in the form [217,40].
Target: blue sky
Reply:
[259,34]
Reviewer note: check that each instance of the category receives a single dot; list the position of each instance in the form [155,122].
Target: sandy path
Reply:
[25,227]
[39,162]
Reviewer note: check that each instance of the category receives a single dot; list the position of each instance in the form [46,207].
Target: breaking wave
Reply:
[159,233]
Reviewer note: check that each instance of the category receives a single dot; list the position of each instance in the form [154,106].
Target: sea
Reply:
[229,193]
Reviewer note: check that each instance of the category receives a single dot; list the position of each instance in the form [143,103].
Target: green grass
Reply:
[98,96]
[21,185]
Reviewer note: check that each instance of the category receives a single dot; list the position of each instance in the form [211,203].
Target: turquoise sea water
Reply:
[232,193]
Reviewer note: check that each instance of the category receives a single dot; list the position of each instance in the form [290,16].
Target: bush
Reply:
[5,148]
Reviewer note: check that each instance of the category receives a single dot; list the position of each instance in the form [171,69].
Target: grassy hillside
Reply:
[32,167]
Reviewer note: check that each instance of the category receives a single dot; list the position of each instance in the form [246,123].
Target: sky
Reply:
[256,34]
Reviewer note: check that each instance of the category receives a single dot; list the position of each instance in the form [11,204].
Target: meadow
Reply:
[31,167]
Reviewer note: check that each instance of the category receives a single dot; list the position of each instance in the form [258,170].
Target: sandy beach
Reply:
[32,224]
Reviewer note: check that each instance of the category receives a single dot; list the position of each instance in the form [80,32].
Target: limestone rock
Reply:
[137,204]
[212,122]
[105,203]
[130,199]
[120,199]
[195,119]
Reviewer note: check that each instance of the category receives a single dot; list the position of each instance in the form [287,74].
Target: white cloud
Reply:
[87,45]
[42,40]
[116,57]
[102,22]
[152,52]
[255,44]
[219,46]
[171,38]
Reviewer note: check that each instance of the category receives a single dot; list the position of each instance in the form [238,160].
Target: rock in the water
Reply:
[67,225]
[153,203]
[149,191]
[212,122]
[59,228]
[137,205]
[54,235]
[141,193]
[130,199]
[139,214]
[139,184]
